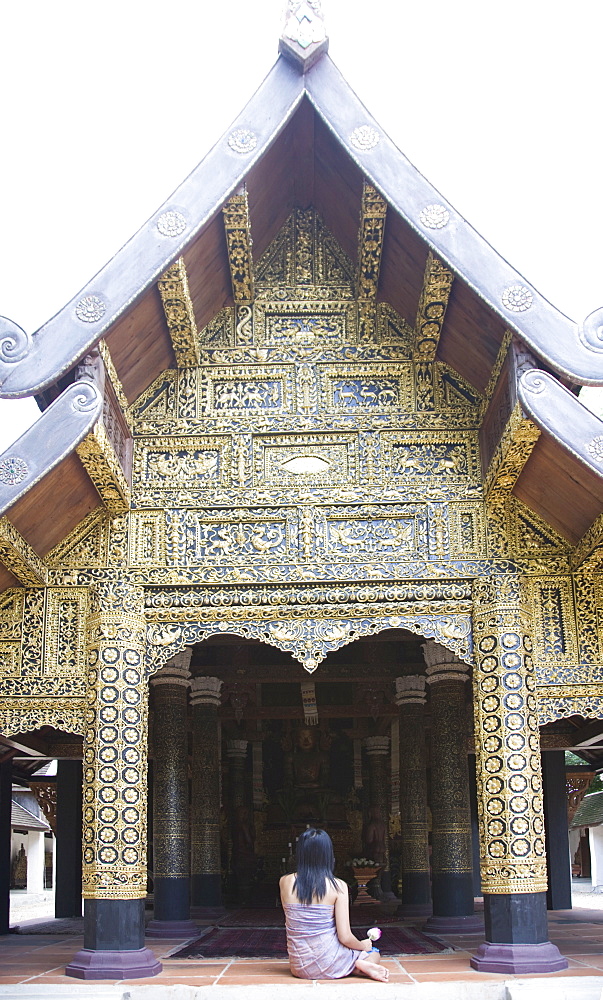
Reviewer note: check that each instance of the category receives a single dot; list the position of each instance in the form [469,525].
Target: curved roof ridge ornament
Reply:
[559,413]
[304,38]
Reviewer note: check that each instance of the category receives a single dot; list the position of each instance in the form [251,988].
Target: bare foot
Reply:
[373,971]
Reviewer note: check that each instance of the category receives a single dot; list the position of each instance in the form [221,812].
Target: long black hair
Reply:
[315,865]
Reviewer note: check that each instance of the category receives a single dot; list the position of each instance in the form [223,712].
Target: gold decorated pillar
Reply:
[114,871]
[509,784]
[416,889]
[171,862]
[376,831]
[206,882]
[452,858]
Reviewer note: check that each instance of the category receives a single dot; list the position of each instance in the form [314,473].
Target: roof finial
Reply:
[303,38]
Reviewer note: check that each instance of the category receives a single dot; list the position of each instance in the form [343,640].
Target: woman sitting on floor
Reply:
[319,939]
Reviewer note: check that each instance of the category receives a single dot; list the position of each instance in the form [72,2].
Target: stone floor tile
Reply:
[442,966]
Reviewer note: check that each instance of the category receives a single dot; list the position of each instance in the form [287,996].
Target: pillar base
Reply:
[171,929]
[89,964]
[518,959]
[472,924]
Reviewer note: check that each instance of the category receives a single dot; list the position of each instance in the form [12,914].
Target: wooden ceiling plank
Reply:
[18,556]
[402,267]
[179,314]
[560,489]
[208,274]
[303,156]
[140,345]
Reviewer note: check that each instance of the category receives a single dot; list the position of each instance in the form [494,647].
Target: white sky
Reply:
[106,107]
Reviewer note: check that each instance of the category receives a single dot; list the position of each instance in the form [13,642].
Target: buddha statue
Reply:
[309,762]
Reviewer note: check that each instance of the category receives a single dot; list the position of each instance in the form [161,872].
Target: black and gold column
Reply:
[376,836]
[171,862]
[206,882]
[114,873]
[241,817]
[452,858]
[509,784]
[416,886]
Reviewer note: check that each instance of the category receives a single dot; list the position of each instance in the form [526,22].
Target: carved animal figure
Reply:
[342,535]
[221,543]
[263,539]
[400,535]
[347,394]
[404,461]
[452,462]
[168,466]
[205,464]
[368,394]
[227,395]
[387,396]
[253,395]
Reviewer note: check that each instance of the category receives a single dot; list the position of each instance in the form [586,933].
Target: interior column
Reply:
[377,748]
[509,784]
[452,861]
[114,872]
[206,881]
[416,887]
[239,808]
[171,863]
[559,892]
[68,851]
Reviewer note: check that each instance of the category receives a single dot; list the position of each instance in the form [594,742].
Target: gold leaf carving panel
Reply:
[65,631]
[165,462]
[367,387]
[305,323]
[246,390]
[467,531]
[418,458]
[147,538]
[335,460]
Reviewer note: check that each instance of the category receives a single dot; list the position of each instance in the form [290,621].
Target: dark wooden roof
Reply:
[297,144]
[319,156]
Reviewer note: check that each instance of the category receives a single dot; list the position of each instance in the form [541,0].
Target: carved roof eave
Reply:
[54,436]
[28,363]
[559,413]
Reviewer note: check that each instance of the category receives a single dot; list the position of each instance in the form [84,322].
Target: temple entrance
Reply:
[351,748]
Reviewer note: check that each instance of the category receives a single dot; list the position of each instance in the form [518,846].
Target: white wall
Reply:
[596,854]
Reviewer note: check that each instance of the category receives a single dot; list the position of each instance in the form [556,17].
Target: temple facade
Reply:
[309,532]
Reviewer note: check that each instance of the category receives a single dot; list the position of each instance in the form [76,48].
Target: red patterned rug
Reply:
[269,942]
[274,917]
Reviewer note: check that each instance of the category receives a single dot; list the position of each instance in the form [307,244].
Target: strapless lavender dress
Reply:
[315,951]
